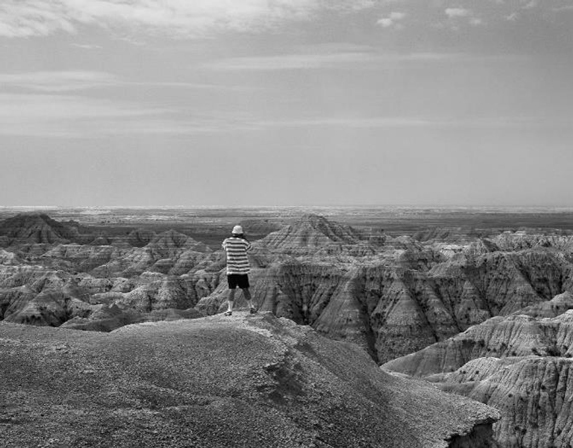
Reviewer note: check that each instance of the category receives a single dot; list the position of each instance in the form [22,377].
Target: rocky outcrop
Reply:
[65,280]
[520,364]
[9,258]
[315,235]
[169,244]
[139,237]
[80,258]
[533,394]
[34,228]
[48,308]
[521,240]
[516,335]
[38,295]
[552,308]
[177,383]
[410,298]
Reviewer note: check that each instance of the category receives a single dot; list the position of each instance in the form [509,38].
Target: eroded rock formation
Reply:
[52,277]
[515,335]
[520,364]
[534,395]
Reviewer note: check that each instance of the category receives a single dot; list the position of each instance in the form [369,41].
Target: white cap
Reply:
[237,230]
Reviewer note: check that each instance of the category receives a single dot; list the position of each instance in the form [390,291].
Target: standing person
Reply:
[238,268]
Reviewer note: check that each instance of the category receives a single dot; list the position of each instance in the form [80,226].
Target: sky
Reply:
[286,102]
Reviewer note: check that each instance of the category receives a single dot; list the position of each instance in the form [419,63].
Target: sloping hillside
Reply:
[217,382]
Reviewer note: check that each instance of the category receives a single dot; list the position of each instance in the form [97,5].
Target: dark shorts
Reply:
[238,280]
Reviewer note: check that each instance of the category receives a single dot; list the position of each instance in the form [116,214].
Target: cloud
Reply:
[58,115]
[392,20]
[457,12]
[397,15]
[88,46]
[175,18]
[457,15]
[137,19]
[351,122]
[62,81]
[563,8]
[33,18]
[416,122]
[530,4]
[364,57]
[512,17]
[69,81]
[54,107]
[289,61]
[385,22]
[71,116]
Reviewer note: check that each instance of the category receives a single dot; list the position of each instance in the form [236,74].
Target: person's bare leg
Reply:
[249,299]
[230,300]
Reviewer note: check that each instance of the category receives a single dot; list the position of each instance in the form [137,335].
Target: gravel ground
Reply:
[239,381]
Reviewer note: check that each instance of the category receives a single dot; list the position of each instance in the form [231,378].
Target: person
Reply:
[238,268]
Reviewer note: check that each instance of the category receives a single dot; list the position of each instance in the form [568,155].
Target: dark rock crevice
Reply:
[481,436]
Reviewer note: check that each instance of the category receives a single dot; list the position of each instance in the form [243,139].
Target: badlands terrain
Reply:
[473,302]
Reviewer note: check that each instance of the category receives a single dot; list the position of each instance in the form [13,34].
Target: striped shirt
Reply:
[237,260]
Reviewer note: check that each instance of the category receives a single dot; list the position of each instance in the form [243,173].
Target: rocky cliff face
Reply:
[410,295]
[520,364]
[515,335]
[534,395]
[178,383]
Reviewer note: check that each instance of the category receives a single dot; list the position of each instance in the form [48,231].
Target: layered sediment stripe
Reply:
[237,259]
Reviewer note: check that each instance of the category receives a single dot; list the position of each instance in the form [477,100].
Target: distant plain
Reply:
[211,224]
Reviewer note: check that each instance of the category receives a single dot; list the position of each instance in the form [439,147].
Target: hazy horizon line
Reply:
[318,206]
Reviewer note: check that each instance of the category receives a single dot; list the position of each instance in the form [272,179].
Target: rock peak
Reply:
[313,218]
[36,228]
[312,232]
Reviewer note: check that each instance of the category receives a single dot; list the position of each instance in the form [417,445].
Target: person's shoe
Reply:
[253,310]
[228,313]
